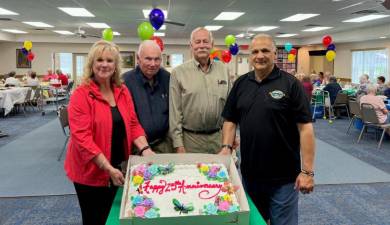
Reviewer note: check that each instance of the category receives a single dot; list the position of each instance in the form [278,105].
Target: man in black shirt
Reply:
[273,114]
[148,84]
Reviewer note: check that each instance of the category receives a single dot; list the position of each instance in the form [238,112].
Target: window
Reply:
[177,59]
[371,62]
[65,63]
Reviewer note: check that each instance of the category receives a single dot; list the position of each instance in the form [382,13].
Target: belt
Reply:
[202,131]
[156,142]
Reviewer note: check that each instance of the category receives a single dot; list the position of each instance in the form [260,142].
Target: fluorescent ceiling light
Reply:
[147,12]
[228,15]
[383,37]
[299,17]
[7,12]
[286,35]
[213,27]
[38,24]
[98,25]
[314,29]
[159,34]
[349,6]
[116,33]
[163,27]
[63,32]
[265,28]
[80,12]
[240,35]
[365,18]
[14,31]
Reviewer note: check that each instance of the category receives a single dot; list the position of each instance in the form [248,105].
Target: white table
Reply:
[12,96]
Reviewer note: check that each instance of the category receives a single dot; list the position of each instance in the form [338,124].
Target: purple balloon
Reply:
[234,49]
[331,47]
[24,51]
[156,18]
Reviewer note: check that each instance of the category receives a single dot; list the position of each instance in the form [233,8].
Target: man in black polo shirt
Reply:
[148,84]
[273,114]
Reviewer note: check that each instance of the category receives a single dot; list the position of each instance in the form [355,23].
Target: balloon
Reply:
[30,56]
[293,51]
[234,49]
[156,18]
[291,57]
[216,59]
[212,51]
[229,40]
[159,42]
[331,47]
[288,46]
[326,40]
[27,45]
[226,56]
[330,55]
[24,51]
[107,34]
[145,31]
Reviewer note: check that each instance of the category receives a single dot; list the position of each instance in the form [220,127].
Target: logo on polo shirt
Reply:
[277,94]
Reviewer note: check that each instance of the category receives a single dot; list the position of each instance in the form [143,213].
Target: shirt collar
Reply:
[144,80]
[275,73]
[197,64]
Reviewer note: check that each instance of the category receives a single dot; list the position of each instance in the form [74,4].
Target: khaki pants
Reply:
[202,143]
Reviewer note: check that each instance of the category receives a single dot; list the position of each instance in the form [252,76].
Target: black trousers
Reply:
[95,203]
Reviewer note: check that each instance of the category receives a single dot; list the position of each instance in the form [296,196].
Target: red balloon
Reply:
[293,51]
[326,40]
[159,41]
[226,56]
[30,56]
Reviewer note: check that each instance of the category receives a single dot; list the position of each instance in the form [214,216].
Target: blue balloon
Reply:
[331,47]
[156,18]
[216,59]
[234,49]
[288,46]
[24,51]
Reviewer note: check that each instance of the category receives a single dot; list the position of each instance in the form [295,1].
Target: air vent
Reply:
[312,25]
[5,19]
[39,29]
[280,33]
[367,11]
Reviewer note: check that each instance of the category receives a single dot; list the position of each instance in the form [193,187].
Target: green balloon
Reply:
[229,40]
[107,34]
[145,31]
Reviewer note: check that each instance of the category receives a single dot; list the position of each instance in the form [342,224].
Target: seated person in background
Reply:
[363,82]
[381,85]
[315,80]
[327,75]
[62,77]
[377,102]
[321,76]
[307,86]
[50,75]
[32,79]
[333,88]
[386,92]
[11,81]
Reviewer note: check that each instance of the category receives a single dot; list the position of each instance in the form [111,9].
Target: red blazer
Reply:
[90,122]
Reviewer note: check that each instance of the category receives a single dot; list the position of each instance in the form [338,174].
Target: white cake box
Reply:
[239,218]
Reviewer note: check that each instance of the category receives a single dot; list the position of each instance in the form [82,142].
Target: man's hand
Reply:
[304,183]
[181,149]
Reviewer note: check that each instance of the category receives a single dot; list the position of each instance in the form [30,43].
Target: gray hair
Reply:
[371,88]
[198,29]
[261,36]
[147,43]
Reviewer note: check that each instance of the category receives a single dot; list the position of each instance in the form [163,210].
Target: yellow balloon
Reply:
[330,55]
[291,57]
[27,45]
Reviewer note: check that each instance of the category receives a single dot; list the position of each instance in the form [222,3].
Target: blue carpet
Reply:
[29,165]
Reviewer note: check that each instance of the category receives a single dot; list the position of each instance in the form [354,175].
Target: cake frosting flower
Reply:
[137,180]
[151,213]
[210,209]
[137,200]
[153,169]
[139,211]
[148,202]
[233,208]
[224,206]
[227,197]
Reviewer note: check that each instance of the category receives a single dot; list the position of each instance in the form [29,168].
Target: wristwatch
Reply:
[143,149]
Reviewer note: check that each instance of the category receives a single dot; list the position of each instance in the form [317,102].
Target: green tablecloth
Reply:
[113,217]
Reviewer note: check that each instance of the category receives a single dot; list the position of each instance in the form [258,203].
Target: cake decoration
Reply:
[181,207]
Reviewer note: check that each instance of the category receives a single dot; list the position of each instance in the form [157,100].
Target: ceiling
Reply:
[123,15]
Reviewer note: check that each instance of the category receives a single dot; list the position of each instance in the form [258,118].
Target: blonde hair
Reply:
[96,51]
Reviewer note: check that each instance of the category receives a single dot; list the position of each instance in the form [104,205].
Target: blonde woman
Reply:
[103,128]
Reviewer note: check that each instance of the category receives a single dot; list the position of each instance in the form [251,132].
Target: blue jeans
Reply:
[275,202]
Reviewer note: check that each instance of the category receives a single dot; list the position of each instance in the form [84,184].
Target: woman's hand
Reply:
[148,152]
[116,176]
